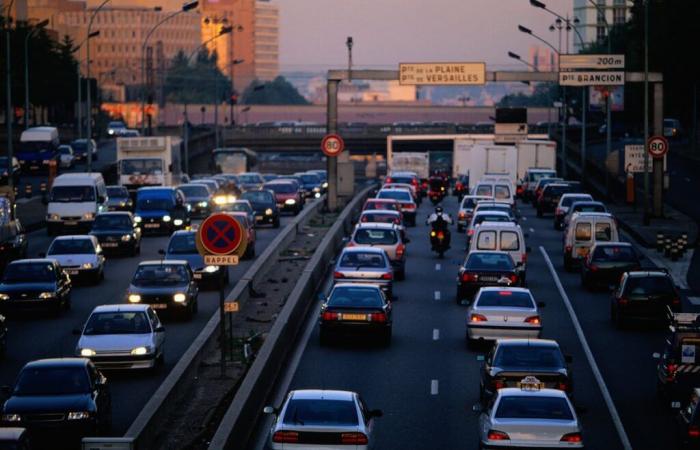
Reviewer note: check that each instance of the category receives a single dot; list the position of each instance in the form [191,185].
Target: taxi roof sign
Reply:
[530,383]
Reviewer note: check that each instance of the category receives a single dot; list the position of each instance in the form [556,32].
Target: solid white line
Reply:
[433,387]
[436,334]
[589,355]
[438,266]
[437,295]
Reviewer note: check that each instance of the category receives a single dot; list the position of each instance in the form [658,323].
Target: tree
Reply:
[200,81]
[276,92]
[544,94]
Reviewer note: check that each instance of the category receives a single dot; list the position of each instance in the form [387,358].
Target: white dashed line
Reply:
[433,387]
[437,295]
[436,334]
[524,219]
[438,266]
[532,230]
[695,301]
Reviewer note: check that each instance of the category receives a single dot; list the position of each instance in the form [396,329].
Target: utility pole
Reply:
[10,114]
[646,218]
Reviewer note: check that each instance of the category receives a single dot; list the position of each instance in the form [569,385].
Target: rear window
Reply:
[380,218]
[568,201]
[583,232]
[486,240]
[358,259]
[375,237]
[356,297]
[502,192]
[381,205]
[556,191]
[536,176]
[402,196]
[528,356]
[470,202]
[321,413]
[484,189]
[534,407]
[506,299]
[614,254]
[603,232]
[404,180]
[489,261]
[648,286]
[510,241]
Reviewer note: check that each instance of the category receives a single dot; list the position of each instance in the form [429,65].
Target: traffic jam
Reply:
[96,232]
[520,389]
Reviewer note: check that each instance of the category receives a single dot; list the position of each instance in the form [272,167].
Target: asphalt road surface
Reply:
[427,380]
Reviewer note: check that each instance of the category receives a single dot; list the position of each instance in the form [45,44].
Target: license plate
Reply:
[582,251]
[354,317]
[258,217]
[70,223]
[109,244]
[34,167]
[72,272]
[197,276]
[488,278]
[159,306]
[152,225]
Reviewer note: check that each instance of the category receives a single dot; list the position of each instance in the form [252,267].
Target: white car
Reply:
[122,337]
[320,419]
[66,155]
[115,128]
[503,312]
[80,256]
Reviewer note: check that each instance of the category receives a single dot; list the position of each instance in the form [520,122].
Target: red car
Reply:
[287,195]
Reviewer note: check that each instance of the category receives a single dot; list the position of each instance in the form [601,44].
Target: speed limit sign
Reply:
[658,146]
[332,145]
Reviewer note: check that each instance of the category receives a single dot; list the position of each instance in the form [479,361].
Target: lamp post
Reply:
[80,99]
[349,43]
[186,7]
[41,25]
[9,115]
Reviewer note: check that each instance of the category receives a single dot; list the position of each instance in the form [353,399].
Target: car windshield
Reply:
[536,176]
[239,207]
[505,299]
[281,188]
[67,194]
[501,192]
[71,247]
[117,323]
[117,192]
[52,381]
[194,190]
[362,259]
[112,221]
[649,286]
[64,150]
[402,196]
[311,412]
[528,356]
[182,244]
[141,167]
[310,179]
[375,236]
[380,218]
[391,206]
[160,275]
[533,407]
[484,189]
[154,204]
[614,254]
[570,200]
[489,261]
[250,179]
[258,197]
[356,297]
[40,272]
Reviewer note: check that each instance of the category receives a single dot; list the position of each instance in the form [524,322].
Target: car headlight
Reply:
[177,222]
[290,201]
[134,298]
[325,185]
[317,189]
[4,297]
[268,212]
[140,351]
[78,415]
[87,352]
[46,161]
[126,238]
[211,269]
[89,216]
[230,198]
[53,217]
[202,204]
[110,132]
[11,418]
[317,195]
[220,199]
[166,218]
[137,219]
[87,265]
[45,295]
[179,297]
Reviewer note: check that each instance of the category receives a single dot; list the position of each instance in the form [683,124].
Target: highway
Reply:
[427,381]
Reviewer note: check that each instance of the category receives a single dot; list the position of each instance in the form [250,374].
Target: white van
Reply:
[584,230]
[500,191]
[74,201]
[502,236]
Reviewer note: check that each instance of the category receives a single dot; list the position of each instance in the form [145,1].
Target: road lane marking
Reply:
[589,355]
[524,219]
[437,295]
[532,230]
[436,334]
[438,266]
[695,301]
[433,387]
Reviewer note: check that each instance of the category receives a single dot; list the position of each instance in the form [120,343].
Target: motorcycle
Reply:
[440,238]
[437,190]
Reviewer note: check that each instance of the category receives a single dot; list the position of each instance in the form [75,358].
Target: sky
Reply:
[386,32]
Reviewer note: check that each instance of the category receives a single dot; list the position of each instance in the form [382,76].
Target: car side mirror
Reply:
[568,358]
[656,355]
[376,413]
[160,329]
[270,410]
[541,304]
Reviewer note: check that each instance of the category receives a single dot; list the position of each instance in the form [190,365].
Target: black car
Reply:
[118,199]
[199,199]
[549,198]
[66,397]
[606,262]
[511,360]
[117,233]
[264,205]
[80,149]
[13,243]
[644,296]
[35,283]
[488,268]
[166,286]
[687,422]
[311,183]
[6,172]
[353,309]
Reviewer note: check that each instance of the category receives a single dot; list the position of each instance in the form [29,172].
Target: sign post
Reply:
[658,148]
[221,240]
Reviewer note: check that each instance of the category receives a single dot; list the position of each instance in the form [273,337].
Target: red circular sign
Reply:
[332,145]
[220,234]
[658,146]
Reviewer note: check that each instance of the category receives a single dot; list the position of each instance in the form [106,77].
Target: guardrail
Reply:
[148,424]
[237,424]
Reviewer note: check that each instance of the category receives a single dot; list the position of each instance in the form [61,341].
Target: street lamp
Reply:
[39,26]
[80,99]
[186,7]
[517,57]
[349,43]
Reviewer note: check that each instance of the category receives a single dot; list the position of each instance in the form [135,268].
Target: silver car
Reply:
[365,265]
[466,210]
[122,337]
[529,416]
[80,256]
[507,312]
[385,236]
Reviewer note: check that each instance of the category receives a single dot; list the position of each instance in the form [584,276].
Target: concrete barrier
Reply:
[237,424]
[149,423]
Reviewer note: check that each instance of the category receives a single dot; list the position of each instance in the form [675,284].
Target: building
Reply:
[593,19]
[543,58]
[38,10]
[266,40]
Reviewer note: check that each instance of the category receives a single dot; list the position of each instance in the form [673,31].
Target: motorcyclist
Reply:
[439,221]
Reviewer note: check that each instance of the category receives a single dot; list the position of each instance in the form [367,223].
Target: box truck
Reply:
[148,161]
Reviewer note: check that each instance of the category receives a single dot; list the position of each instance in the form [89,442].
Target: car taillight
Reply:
[519,190]
[470,232]
[572,437]
[563,386]
[458,185]
[350,244]
[462,215]
[387,180]
[469,277]
[495,435]
[414,182]
[329,315]
[353,438]
[338,275]
[397,222]
[285,437]
[364,219]
[378,317]
[533,320]
[498,384]
[676,301]
[477,318]
[400,249]
[557,212]
[387,276]
[623,301]
[568,249]
[693,431]
[409,205]
[513,279]
[524,258]
[671,372]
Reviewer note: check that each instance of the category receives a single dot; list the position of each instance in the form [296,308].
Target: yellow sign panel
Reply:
[231,307]
[442,73]
[221,260]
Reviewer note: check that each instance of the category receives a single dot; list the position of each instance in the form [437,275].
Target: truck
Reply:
[418,162]
[492,159]
[38,147]
[535,153]
[233,160]
[148,161]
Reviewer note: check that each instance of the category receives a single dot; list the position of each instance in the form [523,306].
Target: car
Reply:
[265,206]
[505,237]
[364,265]
[406,203]
[6,171]
[249,227]
[161,210]
[644,296]
[385,216]
[585,206]
[13,240]
[80,146]
[122,337]
[245,207]
[311,183]
[322,419]
[382,203]
[167,286]
[541,184]
[269,176]
[486,216]
[484,269]
[530,179]
[250,181]
[606,262]
[182,246]
[498,313]
[466,210]
[287,195]
[14,438]
[118,199]
[60,398]
[35,284]
[73,202]
[493,205]
[406,186]
[117,232]
[404,177]
[687,422]
[529,416]
[80,256]
[198,197]
[66,156]
[548,199]
[115,128]
[672,128]
[585,230]
[564,205]
[511,359]
[386,237]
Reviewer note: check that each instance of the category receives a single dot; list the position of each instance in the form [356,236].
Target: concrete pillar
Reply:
[658,167]
[331,128]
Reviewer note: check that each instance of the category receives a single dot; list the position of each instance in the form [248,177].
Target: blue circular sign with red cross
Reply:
[220,234]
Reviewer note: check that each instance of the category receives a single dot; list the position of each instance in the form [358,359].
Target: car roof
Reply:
[33,260]
[529,342]
[280,181]
[182,232]
[116,213]
[587,202]
[387,226]
[544,392]
[580,215]
[491,212]
[53,362]
[487,224]
[156,189]
[648,273]
[558,185]
[74,237]
[165,262]
[381,211]
[382,200]
[121,307]
[576,194]
[363,250]
[612,244]
[490,252]
[319,394]
[500,288]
